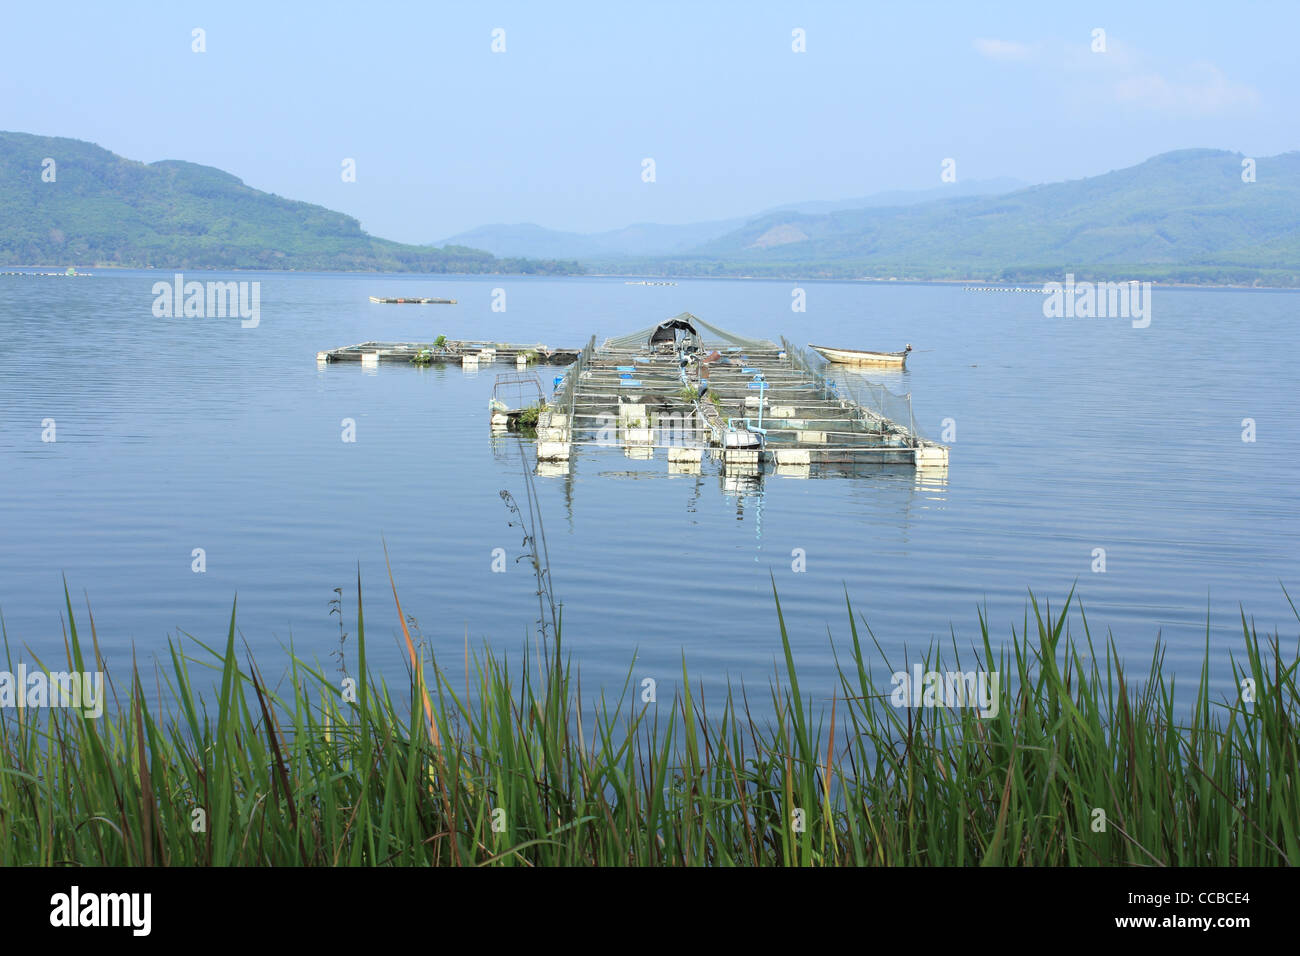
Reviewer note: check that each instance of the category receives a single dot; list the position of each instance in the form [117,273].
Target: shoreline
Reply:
[16,271]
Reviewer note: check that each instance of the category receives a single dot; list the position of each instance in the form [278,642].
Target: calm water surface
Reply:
[1071,435]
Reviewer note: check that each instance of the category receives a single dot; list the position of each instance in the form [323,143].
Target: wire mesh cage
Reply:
[517,390]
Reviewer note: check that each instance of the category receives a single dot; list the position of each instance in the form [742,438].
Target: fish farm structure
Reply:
[447,352]
[690,392]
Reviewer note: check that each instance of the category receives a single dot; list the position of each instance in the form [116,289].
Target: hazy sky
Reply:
[448,135]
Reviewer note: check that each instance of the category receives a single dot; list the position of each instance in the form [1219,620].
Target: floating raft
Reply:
[690,392]
[694,391]
[459,352]
[51,275]
[397,301]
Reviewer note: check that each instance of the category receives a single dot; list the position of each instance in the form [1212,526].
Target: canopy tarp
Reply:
[667,330]
[685,321]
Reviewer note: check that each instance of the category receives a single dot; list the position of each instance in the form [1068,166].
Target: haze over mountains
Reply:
[1195,215]
[653,239]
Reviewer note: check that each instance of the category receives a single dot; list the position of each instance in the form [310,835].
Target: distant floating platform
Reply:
[389,300]
[50,275]
[456,352]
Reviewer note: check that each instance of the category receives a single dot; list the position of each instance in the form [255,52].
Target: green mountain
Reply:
[1185,216]
[103,210]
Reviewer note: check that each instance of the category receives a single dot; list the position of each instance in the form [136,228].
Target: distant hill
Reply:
[104,210]
[652,239]
[906,197]
[1183,216]
[639,239]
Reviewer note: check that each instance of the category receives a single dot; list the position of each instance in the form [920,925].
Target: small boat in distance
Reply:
[375,298]
[862,357]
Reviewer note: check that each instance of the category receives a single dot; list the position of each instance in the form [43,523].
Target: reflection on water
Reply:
[742,487]
[932,481]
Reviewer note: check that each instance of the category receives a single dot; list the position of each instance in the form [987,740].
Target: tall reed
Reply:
[1081,765]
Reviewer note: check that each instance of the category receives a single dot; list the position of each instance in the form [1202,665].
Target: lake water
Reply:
[1071,435]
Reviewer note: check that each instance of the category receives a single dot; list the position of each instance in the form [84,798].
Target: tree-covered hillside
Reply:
[101,209]
[1183,216]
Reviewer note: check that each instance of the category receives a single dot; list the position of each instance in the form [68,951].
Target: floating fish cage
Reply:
[694,391]
[447,352]
[690,392]
[517,402]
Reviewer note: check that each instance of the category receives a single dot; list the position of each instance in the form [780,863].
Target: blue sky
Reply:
[448,135]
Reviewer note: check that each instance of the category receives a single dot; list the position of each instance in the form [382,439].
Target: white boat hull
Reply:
[860,357]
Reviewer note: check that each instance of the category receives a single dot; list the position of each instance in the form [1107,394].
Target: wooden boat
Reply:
[861,356]
[390,301]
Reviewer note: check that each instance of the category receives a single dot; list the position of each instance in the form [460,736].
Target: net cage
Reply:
[513,391]
[566,393]
[881,410]
[856,411]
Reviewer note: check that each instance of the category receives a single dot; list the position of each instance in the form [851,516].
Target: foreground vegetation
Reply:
[1078,767]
